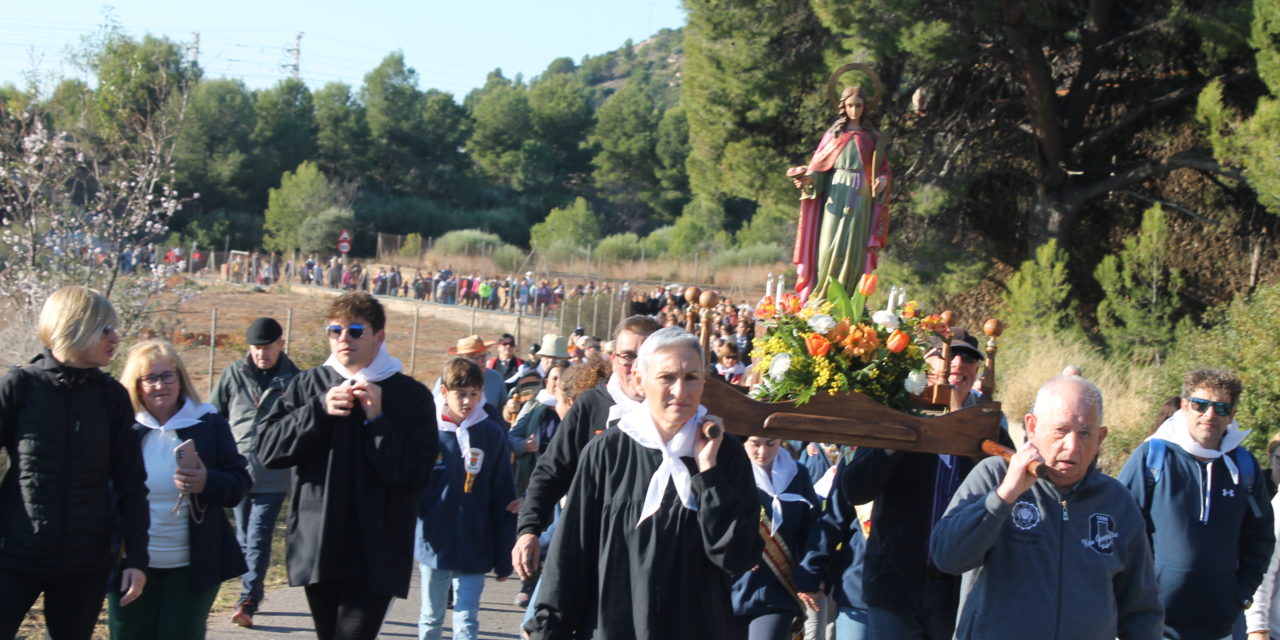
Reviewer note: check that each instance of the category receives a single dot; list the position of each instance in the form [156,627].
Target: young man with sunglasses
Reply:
[907,595]
[361,438]
[1206,506]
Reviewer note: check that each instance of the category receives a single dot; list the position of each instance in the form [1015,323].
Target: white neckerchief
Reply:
[638,425]
[1175,430]
[463,430]
[383,366]
[736,369]
[622,403]
[775,482]
[187,416]
[546,397]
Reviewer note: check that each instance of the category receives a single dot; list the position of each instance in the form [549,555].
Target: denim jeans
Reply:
[466,603]
[255,522]
[851,624]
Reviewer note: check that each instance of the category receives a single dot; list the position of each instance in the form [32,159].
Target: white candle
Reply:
[768,285]
[780,280]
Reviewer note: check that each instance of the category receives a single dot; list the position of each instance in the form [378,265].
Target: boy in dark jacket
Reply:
[466,527]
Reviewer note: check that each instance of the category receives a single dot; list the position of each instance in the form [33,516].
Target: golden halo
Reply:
[865,68]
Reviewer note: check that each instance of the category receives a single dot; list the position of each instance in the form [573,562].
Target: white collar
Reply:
[383,366]
[1175,430]
[622,403]
[775,482]
[188,415]
[463,431]
[639,426]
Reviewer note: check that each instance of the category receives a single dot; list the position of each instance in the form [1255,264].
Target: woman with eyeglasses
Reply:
[192,548]
[64,425]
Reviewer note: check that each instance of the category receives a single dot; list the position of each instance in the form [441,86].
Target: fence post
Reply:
[473,321]
[608,323]
[595,314]
[519,316]
[213,341]
[288,329]
[542,325]
[413,346]
[577,321]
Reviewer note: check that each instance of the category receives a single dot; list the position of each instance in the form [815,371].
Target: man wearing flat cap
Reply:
[907,595]
[245,393]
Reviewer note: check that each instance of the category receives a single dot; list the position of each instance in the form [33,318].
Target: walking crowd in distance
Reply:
[591,472]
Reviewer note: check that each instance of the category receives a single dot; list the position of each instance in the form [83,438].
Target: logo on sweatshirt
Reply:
[1102,534]
[1025,515]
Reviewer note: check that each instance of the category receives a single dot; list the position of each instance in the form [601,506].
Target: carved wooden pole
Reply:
[992,328]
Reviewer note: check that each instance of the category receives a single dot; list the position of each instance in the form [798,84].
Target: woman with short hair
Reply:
[192,548]
[64,425]
[662,511]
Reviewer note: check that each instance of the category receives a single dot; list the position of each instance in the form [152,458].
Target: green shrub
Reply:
[1038,294]
[319,233]
[509,258]
[560,252]
[755,254]
[658,242]
[467,242]
[412,247]
[619,247]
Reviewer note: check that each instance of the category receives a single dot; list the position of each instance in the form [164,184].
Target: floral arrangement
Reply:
[833,346]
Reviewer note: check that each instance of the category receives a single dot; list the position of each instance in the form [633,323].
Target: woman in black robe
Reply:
[658,519]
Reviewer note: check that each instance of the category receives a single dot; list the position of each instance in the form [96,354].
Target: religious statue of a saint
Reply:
[844,194]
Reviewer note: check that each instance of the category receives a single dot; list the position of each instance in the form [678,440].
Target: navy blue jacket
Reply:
[1206,569]
[759,592]
[469,532]
[215,554]
[835,549]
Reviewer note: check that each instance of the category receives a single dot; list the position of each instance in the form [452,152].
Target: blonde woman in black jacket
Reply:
[65,426]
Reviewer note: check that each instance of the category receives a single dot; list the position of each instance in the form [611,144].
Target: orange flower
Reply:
[867,284]
[897,341]
[840,332]
[818,346]
[765,309]
[935,324]
[911,309]
[789,304]
[862,341]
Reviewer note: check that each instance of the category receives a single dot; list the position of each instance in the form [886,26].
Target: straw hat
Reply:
[470,345]
[554,346]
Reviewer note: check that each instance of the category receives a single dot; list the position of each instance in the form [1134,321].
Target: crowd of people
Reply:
[591,471]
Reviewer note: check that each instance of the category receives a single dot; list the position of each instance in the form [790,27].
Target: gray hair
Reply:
[662,339]
[1092,394]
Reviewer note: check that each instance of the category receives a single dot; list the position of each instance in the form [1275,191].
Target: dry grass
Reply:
[744,283]
[1026,362]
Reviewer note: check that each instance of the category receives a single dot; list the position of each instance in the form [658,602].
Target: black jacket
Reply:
[897,557]
[65,430]
[554,472]
[354,501]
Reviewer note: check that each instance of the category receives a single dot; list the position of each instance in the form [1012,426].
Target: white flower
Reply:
[887,319]
[914,383]
[779,365]
[821,323]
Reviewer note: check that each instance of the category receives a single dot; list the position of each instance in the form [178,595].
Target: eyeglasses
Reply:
[965,356]
[354,331]
[157,379]
[1219,408]
[626,356]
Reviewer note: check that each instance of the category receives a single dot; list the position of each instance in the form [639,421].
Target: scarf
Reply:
[775,482]
[1174,430]
[187,416]
[736,370]
[622,403]
[462,431]
[383,366]
[639,426]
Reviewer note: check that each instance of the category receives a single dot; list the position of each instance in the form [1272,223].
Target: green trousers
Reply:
[167,608]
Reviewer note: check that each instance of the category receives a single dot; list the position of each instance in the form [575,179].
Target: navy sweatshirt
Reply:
[469,532]
[759,592]
[1206,568]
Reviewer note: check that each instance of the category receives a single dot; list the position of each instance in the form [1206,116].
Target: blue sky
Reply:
[453,45]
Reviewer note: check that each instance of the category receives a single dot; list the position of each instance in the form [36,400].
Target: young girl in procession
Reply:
[191,545]
[764,601]
[465,528]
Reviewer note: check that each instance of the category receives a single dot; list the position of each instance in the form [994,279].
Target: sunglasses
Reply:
[965,356]
[166,378]
[1219,408]
[108,330]
[354,331]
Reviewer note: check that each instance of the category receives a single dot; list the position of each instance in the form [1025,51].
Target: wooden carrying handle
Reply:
[993,448]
